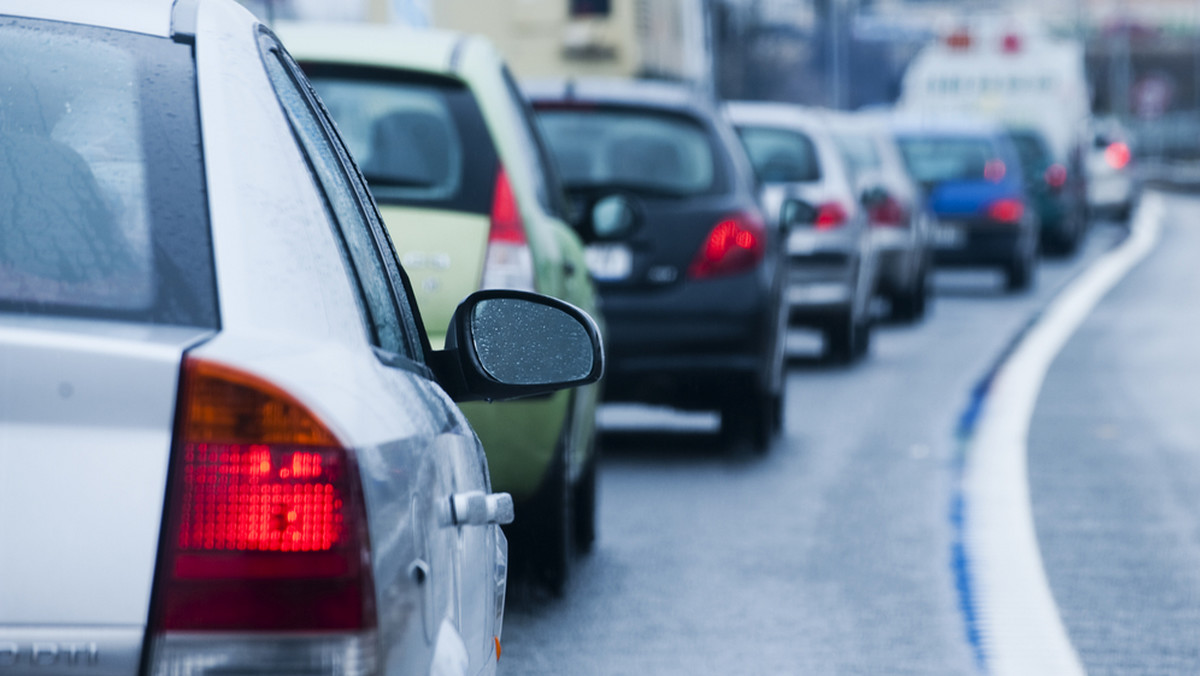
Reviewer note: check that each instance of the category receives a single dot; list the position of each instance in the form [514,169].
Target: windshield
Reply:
[781,155]
[937,159]
[650,151]
[104,211]
[410,136]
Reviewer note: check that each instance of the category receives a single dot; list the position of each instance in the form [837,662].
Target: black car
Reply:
[1056,191]
[689,272]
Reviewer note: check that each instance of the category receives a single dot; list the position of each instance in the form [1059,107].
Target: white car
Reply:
[227,445]
[810,188]
[1109,161]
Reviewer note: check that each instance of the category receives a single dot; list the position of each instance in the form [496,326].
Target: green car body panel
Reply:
[444,251]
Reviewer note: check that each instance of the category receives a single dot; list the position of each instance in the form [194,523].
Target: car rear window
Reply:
[859,150]
[936,159]
[419,140]
[648,151]
[104,210]
[1031,148]
[781,155]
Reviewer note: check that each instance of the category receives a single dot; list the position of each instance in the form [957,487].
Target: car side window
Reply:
[391,319]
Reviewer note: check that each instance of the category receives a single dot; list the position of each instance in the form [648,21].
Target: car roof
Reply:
[434,51]
[618,91]
[152,17]
[775,114]
[944,125]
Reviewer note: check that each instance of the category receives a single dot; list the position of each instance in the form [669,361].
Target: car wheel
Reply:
[541,540]
[585,504]
[751,420]
[1020,273]
[910,306]
[841,339]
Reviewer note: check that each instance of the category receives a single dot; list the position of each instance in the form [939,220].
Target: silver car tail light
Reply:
[265,563]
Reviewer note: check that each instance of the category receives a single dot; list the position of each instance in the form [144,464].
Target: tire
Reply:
[585,505]
[911,305]
[1020,274]
[751,420]
[848,340]
[542,541]
[841,339]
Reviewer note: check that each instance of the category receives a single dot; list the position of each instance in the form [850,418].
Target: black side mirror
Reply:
[606,216]
[505,344]
[796,212]
[873,197]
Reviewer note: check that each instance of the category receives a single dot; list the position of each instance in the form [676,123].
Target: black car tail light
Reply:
[735,244]
[1055,176]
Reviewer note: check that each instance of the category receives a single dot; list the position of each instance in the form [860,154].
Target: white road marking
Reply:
[1019,623]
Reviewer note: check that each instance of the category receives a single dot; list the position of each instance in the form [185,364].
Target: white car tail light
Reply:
[509,263]
[265,566]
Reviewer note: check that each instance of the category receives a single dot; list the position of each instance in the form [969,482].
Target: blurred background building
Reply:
[1143,56]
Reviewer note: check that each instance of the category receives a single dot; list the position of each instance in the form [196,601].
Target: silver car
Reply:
[227,446]
[901,223]
[811,190]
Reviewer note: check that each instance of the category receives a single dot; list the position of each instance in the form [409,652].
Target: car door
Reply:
[408,489]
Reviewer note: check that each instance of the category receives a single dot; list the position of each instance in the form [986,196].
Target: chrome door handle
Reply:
[476,508]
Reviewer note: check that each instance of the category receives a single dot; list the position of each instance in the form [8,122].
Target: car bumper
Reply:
[820,287]
[679,346]
[898,257]
[980,244]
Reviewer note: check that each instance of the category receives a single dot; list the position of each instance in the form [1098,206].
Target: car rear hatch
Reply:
[426,151]
[106,277]
[665,245]
[87,410]
[443,253]
[674,168]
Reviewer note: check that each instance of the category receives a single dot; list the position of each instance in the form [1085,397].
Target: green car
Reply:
[452,155]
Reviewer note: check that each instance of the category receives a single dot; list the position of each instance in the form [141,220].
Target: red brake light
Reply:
[1056,176]
[509,263]
[995,171]
[830,215]
[959,39]
[1117,155]
[506,216]
[888,212]
[1006,210]
[266,529]
[1011,44]
[734,245]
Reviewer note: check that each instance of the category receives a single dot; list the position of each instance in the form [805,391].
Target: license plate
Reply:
[949,236]
[608,261]
[801,242]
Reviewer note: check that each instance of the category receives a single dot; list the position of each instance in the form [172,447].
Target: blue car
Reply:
[971,174]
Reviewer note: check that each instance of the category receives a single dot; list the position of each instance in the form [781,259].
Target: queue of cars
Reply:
[449,149]
[253,302]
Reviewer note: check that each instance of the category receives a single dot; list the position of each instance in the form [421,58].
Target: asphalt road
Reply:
[833,553]
[1114,465]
